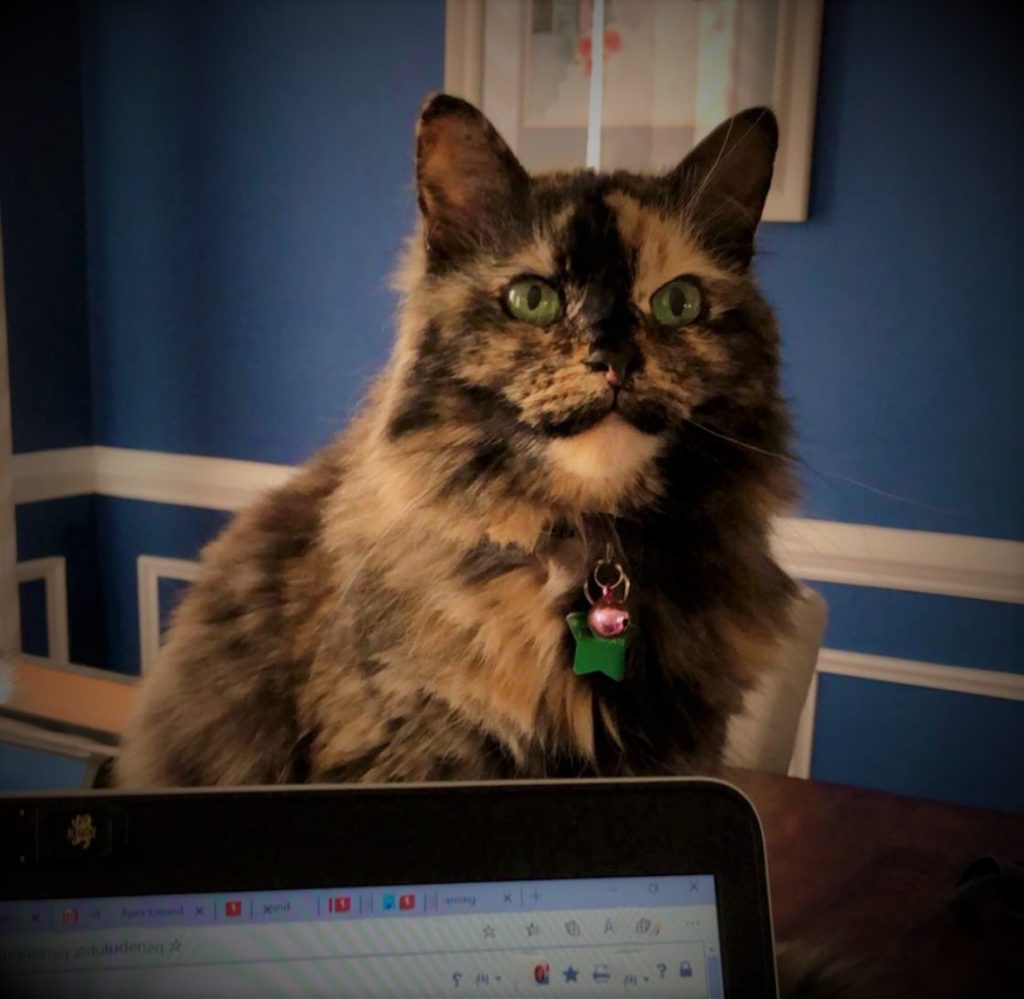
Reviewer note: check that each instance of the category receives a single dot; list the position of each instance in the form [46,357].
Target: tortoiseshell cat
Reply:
[578,355]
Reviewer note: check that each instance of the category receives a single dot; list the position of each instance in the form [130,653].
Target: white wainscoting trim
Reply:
[185,479]
[155,476]
[962,680]
[151,569]
[933,676]
[955,565]
[53,572]
[46,475]
[815,550]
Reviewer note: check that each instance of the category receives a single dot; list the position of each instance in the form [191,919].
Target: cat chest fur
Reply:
[484,634]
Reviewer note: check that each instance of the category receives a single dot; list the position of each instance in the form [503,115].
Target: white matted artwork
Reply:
[672,70]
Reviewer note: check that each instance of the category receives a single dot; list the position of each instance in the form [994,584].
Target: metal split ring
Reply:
[595,576]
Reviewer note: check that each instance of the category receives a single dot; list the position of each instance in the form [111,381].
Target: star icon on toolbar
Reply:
[571,974]
[488,932]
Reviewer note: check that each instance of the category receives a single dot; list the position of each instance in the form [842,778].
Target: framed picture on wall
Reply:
[671,71]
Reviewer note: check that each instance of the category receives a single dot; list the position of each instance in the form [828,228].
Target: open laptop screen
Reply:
[644,936]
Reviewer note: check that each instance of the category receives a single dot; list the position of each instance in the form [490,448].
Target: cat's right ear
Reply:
[472,190]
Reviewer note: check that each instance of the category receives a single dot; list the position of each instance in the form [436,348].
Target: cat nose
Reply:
[617,363]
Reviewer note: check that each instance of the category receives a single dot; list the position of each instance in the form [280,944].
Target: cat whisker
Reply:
[823,474]
[743,444]
[826,475]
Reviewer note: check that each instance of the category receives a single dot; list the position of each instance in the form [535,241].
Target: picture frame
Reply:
[516,61]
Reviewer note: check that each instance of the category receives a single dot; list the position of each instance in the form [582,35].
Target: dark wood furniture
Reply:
[872,874]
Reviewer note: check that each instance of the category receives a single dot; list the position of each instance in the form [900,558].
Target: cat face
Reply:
[563,333]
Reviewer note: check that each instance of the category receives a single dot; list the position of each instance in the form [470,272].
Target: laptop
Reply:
[549,888]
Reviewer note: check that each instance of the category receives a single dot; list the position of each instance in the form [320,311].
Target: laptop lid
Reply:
[581,888]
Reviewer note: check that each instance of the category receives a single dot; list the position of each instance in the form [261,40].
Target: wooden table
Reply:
[872,872]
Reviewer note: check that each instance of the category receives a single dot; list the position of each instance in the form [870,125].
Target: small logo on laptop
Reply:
[81,831]
[388,903]
[340,903]
[406,902]
[69,917]
[233,908]
[542,974]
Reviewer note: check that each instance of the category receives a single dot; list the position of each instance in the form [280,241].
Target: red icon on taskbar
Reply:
[406,902]
[542,973]
[233,908]
[340,903]
[69,917]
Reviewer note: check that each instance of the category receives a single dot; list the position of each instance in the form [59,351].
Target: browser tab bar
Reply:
[594,937]
[348,903]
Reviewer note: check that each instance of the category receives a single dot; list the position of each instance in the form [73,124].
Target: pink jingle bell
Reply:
[608,618]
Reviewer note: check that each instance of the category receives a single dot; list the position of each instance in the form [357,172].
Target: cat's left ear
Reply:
[722,184]
[473,192]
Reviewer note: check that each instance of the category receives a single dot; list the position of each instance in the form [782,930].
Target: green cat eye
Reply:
[533,301]
[676,303]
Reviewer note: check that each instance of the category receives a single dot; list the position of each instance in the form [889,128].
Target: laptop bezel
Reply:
[248,839]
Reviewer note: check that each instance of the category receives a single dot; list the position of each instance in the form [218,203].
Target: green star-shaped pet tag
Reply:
[595,654]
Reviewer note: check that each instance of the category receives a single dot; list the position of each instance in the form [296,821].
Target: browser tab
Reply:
[457,901]
[234,909]
[400,902]
[18,917]
[146,912]
[338,904]
[281,907]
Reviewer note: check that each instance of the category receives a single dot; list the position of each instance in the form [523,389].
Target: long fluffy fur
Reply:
[397,611]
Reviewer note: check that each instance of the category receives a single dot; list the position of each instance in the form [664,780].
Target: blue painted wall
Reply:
[126,529]
[24,769]
[898,297]
[32,607]
[925,626]
[918,741]
[246,170]
[67,527]
[43,218]
[248,174]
